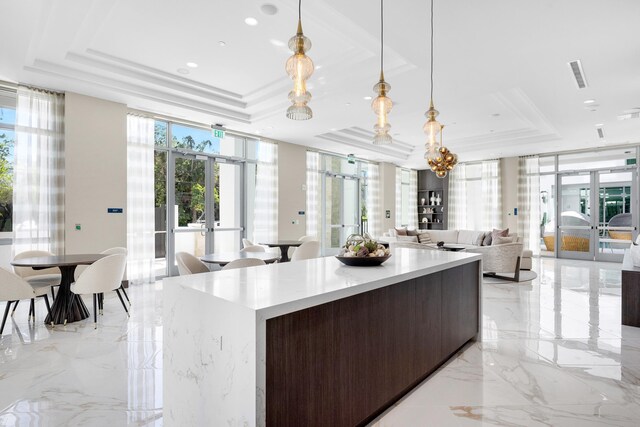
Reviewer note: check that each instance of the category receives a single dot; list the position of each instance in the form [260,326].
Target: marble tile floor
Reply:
[553,354]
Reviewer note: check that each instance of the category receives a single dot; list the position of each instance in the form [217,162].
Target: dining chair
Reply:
[242,263]
[104,275]
[253,248]
[14,288]
[111,251]
[302,239]
[307,250]
[188,264]
[246,242]
[51,275]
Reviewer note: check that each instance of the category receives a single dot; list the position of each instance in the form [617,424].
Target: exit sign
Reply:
[218,133]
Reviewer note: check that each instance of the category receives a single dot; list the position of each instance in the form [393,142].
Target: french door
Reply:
[340,210]
[597,214]
[207,196]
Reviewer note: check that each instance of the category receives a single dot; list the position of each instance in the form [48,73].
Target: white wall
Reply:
[388,195]
[509,176]
[95,173]
[292,176]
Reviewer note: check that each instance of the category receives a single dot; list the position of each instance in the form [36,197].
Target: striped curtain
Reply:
[413,199]
[491,195]
[38,189]
[398,197]
[374,210]
[314,226]
[529,203]
[457,216]
[265,220]
[140,199]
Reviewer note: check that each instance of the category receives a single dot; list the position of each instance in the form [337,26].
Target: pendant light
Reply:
[299,67]
[439,158]
[382,104]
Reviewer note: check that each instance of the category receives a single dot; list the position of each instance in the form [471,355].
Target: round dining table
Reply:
[284,246]
[224,258]
[62,308]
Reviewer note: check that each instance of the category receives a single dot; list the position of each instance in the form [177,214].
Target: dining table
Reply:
[67,306]
[284,246]
[224,258]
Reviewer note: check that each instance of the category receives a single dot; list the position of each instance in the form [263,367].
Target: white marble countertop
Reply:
[277,289]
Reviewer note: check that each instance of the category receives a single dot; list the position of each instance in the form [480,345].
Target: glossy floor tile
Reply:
[553,354]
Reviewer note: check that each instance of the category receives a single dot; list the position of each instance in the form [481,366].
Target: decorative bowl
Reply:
[365,261]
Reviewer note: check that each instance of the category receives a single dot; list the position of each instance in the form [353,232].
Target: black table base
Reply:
[62,308]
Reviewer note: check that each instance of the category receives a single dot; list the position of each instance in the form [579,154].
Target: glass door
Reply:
[340,210]
[207,214]
[575,232]
[616,214]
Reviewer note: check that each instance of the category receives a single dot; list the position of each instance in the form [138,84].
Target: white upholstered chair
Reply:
[104,275]
[253,248]
[14,288]
[302,239]
[242,263]
[246,242]
[51,275]
[111,251]
[307,250]
[189,264]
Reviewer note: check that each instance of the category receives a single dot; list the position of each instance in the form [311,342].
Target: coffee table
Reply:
[452,247]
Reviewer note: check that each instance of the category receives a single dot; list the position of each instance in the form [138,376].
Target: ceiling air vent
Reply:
[578,73]
[600,133]
[629,115]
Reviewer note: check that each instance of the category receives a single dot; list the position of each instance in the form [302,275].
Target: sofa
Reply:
[504,258]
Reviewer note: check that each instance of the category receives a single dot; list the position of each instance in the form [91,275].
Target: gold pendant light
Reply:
[382,104]
[439,158]
[299,67]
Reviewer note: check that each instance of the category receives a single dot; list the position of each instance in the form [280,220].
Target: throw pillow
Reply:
[401,231]
[412,233]
[487,239]
[501,240]
[499,233]
[479,239]
[424,238]
[412,239]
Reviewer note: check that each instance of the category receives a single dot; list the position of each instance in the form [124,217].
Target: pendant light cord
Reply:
[432,50]
[299,10]
[381,36]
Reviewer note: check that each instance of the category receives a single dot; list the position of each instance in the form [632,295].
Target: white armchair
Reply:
[497,259]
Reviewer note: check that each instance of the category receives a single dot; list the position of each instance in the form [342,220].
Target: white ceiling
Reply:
[492,57]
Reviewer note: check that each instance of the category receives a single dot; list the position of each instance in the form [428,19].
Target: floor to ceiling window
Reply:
[7,138]
[209,182]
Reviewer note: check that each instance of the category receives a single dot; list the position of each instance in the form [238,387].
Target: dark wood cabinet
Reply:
[344,362]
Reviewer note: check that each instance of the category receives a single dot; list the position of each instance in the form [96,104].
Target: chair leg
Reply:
[69,303]
[101,303]
[46,301]
[14,308]
[4,318]
[32,310]
[122,301]
[125,294]
[53,294]
[95,311]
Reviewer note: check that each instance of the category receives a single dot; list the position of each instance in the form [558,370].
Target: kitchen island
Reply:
[313,342]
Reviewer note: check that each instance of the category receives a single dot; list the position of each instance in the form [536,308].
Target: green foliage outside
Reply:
[6,183]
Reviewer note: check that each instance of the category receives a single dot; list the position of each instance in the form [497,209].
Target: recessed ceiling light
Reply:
[367,98]
[318,67]
[252,22]
[183,71]
[599,125]
[348,104]
[192,65]
[222,43]
[268,9]
[589,101]
[333,129]
[277,42]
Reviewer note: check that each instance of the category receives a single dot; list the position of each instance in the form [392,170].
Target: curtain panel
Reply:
[140,200]
[374,213]
[457,198]
[413,199]
[313,227]
[265,220]
[529,203]
[398,197]
[38,188]
[491,195]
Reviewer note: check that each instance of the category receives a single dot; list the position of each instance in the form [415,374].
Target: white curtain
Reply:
[491,196]
[313,227]
[398,197]
[374,211]
[38,190]
[529,203]
[413,199]
[140,200]
[265,220]
[457,215]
